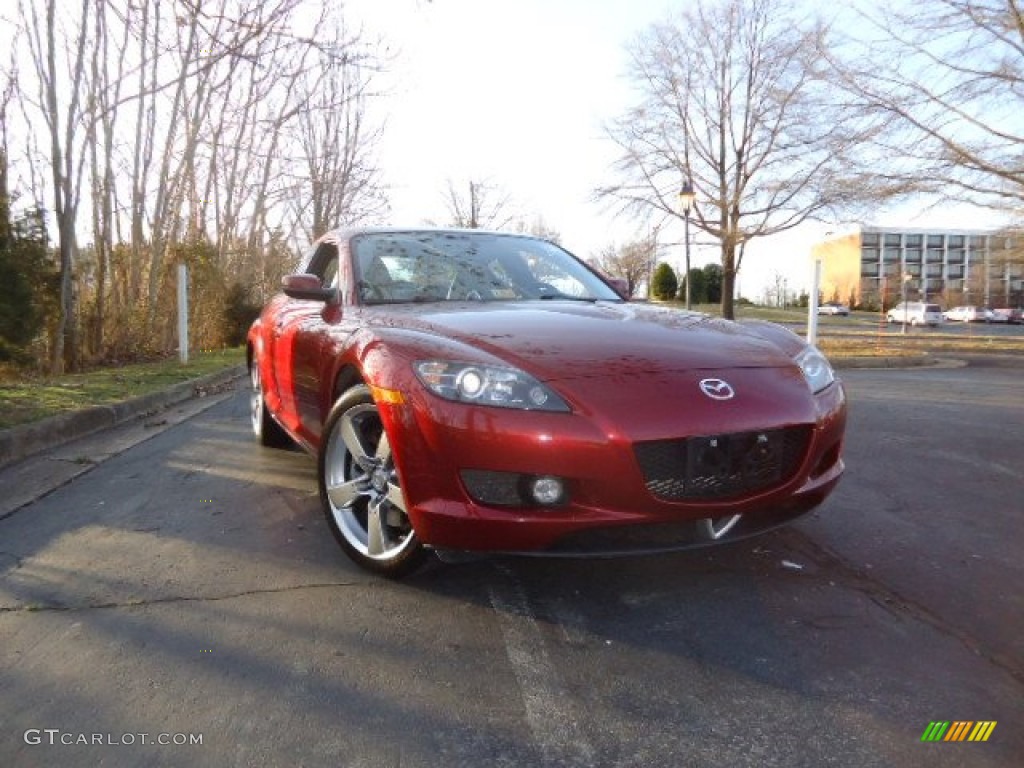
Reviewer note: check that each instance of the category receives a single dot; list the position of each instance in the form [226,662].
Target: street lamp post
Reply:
[812,305]
[686,198]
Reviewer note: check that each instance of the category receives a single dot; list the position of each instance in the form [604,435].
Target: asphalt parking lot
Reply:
[180,586]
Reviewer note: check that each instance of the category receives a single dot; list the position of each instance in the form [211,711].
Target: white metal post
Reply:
[812,307]
[183,314]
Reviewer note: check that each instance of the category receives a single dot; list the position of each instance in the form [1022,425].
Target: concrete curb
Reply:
[25,440]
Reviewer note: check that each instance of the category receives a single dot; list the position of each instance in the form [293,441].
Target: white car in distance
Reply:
[969,314]
[915,313]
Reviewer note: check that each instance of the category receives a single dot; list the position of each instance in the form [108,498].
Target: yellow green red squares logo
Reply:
[958,730]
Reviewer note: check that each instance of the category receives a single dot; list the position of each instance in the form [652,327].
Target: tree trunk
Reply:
[728,282]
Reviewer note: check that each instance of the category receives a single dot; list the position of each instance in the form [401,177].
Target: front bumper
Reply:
[611,509]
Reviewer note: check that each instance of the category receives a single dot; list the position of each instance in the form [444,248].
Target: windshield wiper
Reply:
[567,297]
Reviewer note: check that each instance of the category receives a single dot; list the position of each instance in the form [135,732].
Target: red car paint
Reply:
[630,373]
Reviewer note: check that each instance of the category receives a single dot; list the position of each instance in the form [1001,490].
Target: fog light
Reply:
[547,490]
[512,489]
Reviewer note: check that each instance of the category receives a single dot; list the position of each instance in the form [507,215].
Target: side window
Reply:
[324,264]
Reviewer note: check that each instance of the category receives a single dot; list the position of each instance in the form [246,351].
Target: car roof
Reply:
[346,233]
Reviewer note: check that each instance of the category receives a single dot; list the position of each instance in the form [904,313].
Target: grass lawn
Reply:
[24,399]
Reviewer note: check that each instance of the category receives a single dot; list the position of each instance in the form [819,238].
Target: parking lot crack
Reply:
[34,607]
[836,568]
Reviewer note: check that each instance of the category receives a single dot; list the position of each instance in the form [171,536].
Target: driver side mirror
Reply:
[308,287]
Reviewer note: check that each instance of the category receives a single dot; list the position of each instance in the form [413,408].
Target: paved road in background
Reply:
[187,588]
[859,322]
[960,330]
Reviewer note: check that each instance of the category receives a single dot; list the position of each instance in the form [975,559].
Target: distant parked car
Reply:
[969,314]
[833,308]
[1007,315]
[915,313]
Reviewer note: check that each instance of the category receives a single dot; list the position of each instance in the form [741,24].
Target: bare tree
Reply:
[198,47]
[7,91]
[240,149]
[104,90]
[483,206]
[729,98]
[538,227]
[633,262]
[199,126]
[63,126]
[337,139]
[949,75]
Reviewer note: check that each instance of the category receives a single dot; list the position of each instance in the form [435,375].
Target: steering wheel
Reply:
[458,286]
[451,287]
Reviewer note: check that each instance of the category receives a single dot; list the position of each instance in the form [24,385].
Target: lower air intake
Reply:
[721,466]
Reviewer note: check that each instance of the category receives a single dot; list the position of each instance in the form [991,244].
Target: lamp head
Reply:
[686,198]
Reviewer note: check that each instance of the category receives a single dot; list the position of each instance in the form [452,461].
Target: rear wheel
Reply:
[360,491]
[267,431]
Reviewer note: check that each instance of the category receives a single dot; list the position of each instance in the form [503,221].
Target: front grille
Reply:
[720,466]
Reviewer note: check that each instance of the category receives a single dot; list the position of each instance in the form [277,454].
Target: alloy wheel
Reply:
[361,490]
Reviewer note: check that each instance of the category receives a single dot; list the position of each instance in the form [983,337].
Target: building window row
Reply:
[932,242]
[925,265]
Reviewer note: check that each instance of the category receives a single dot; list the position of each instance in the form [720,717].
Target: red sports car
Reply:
[469,391]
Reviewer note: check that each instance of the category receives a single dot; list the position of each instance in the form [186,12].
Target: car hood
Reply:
[565,340]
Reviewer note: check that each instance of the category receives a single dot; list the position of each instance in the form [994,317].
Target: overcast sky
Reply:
[516,92]
[513,92]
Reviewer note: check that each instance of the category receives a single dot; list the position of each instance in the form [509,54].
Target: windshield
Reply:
[401,267]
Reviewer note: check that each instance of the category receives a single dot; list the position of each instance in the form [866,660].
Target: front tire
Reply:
[360,491]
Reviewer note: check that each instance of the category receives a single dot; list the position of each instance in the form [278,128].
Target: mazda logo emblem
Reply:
[717,389]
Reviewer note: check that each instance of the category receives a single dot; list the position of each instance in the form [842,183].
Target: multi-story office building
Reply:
[876,266]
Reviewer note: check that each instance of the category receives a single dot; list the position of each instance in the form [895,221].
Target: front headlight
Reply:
[487,385]
[816,368]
